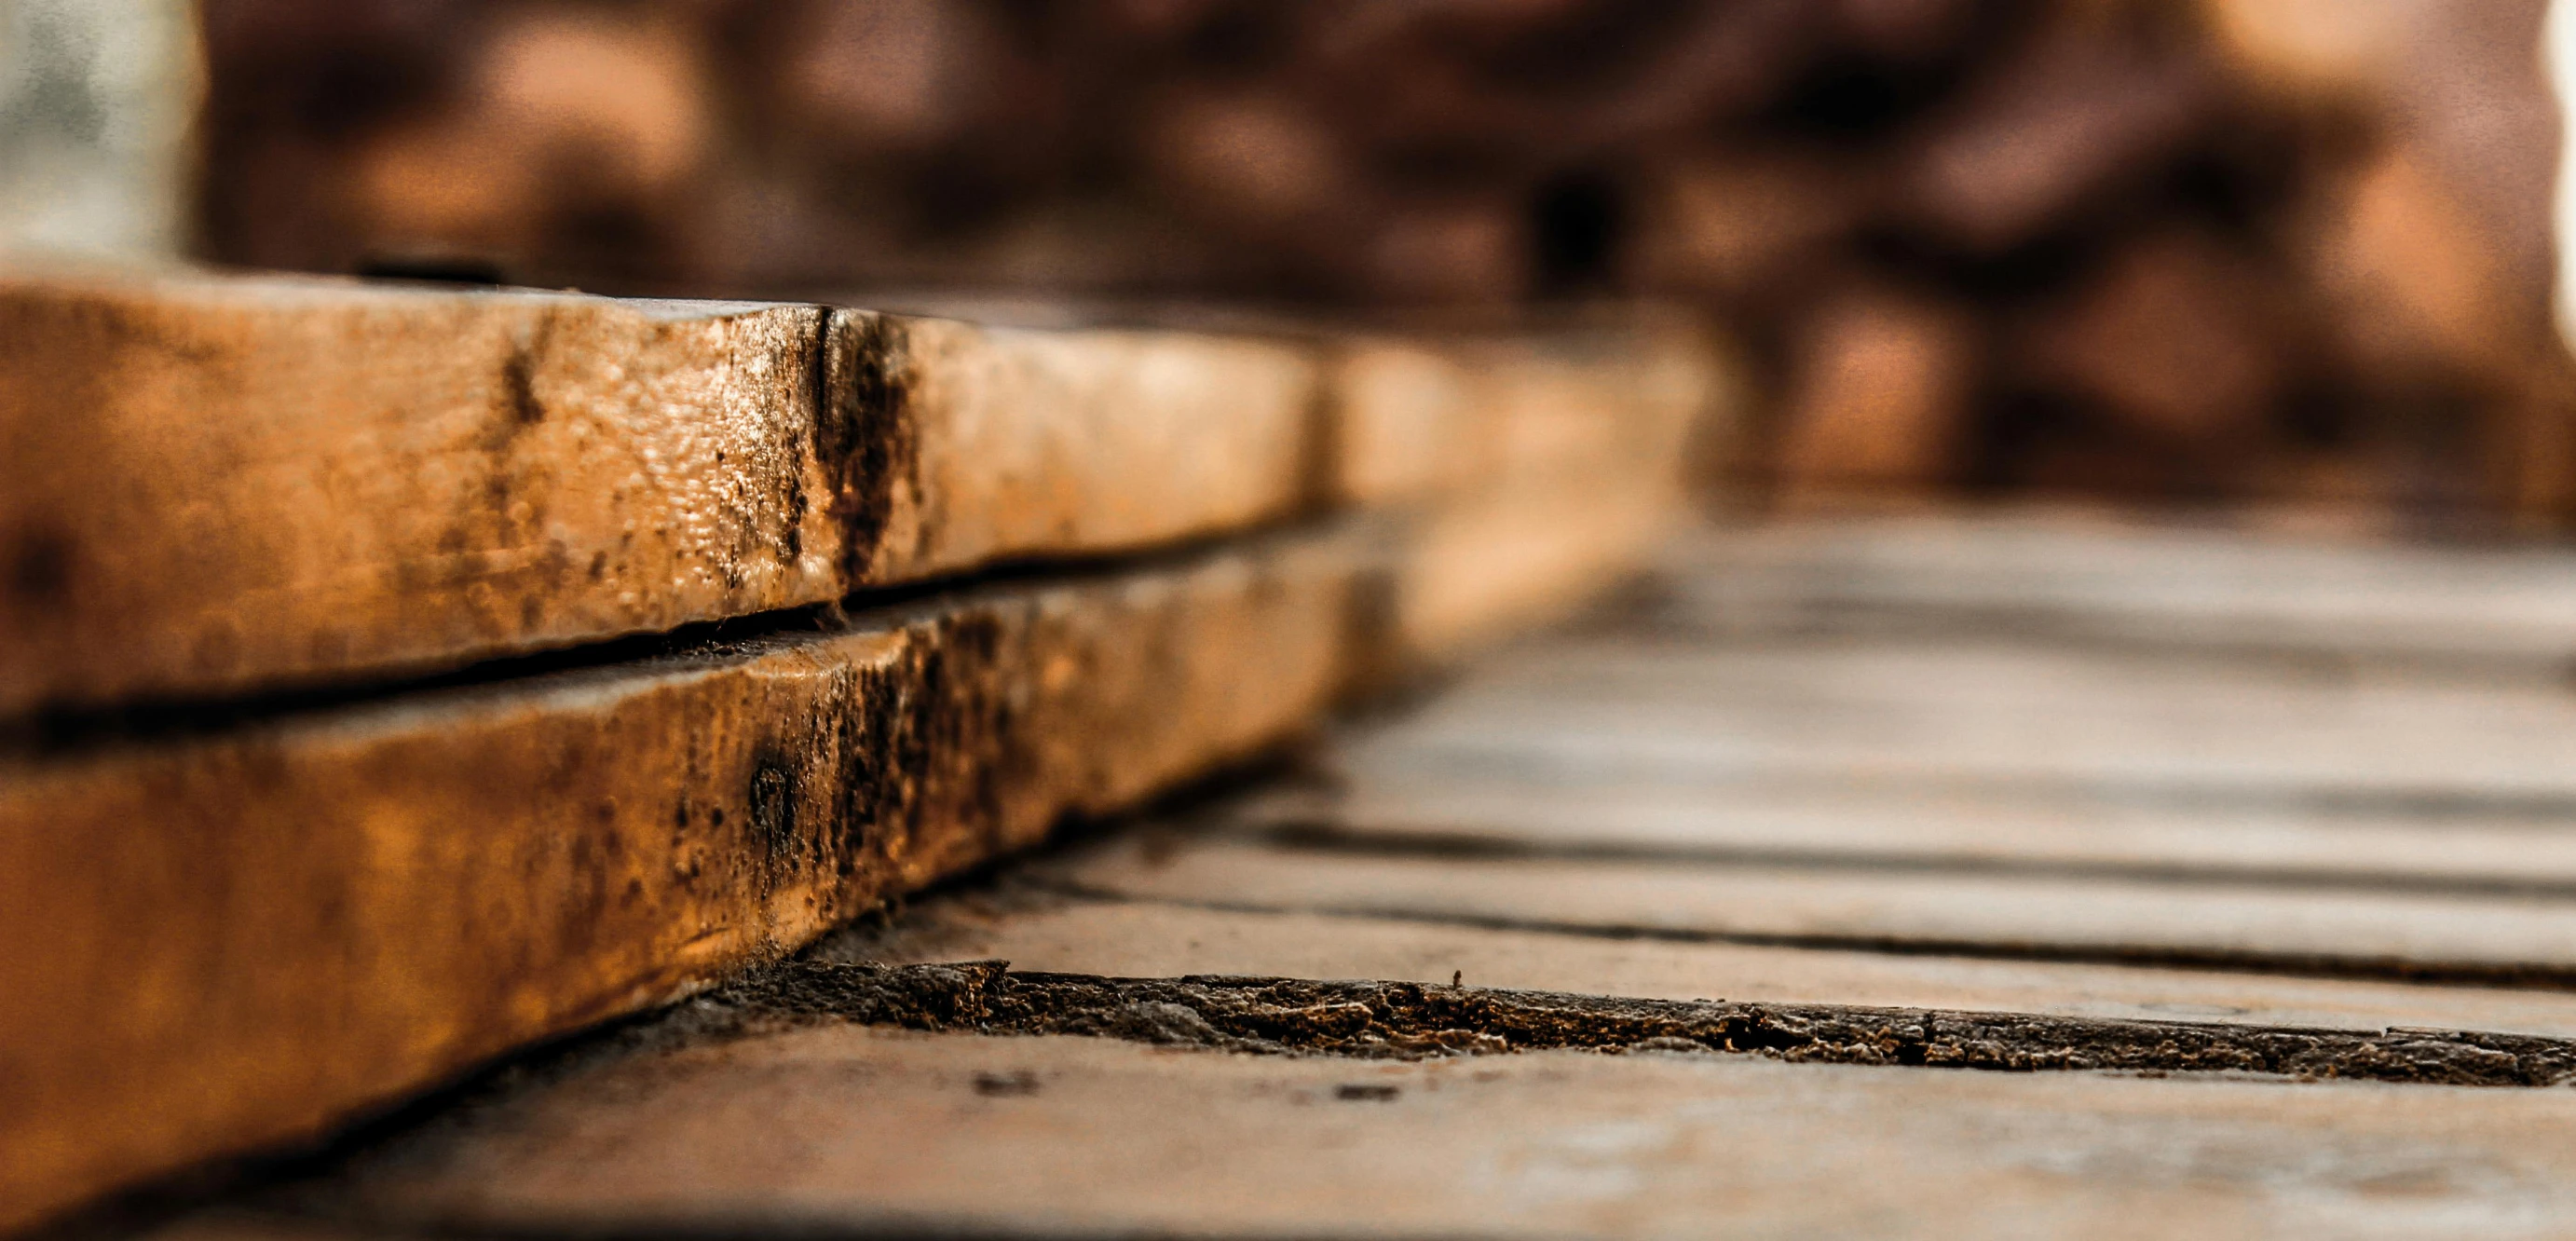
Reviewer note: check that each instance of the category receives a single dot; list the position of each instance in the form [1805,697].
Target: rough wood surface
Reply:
[2226,866]
[227,484]
[214,484]
[1139,939]
[1058,1136]
[253,933]
[415,884]
[2371,930]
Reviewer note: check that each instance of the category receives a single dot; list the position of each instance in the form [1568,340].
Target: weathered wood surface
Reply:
[1975,713]
[1723,819]
[1147,939]
[229,940]
[2127,582]
[846,1129]
[1977,753]
[219,485]
[2112,845]
[2372,929]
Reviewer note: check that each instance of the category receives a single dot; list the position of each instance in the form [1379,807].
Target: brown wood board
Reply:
[234,939]
[224,484]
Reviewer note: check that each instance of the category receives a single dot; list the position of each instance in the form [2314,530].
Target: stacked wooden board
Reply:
[1688,923]
[395,676]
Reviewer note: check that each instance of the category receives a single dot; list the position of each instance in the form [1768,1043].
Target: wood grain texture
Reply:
[1054,1136]
[1136,939]
[1012,443]
[2283,926]
[221,484]
[255,933]
[224,484]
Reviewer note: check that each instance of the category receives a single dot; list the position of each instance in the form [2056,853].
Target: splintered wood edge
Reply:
[260,933]
[223,485]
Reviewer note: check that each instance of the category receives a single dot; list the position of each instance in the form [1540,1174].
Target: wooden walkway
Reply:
[2244,865]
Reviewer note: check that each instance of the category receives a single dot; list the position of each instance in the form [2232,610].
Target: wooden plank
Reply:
[1145,940]
[223,483]
[1448,414]
[845,1129]
[258,931]
[1526,472]
[1959,712]
[1470,570]
[2050,915]
[1390,804]
[2098,578]
[1955,750]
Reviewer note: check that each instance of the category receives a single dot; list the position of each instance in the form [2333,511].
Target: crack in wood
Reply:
[1398,1020]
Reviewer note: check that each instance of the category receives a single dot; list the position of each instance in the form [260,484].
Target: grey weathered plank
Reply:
[2003,912]
[1823,819]
[1973,713]
[1140,939]
[840,1128]
[2107,579]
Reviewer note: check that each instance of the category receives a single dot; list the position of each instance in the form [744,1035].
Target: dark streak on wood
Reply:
[1382,1020]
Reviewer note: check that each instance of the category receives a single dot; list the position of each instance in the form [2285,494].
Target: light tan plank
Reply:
[2001,912]
[840,1128]
[1469,571]
[1525,472]
[235,939]
[1449,414]
[1146,940]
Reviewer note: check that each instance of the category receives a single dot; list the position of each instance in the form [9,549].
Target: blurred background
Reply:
[2208,251]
